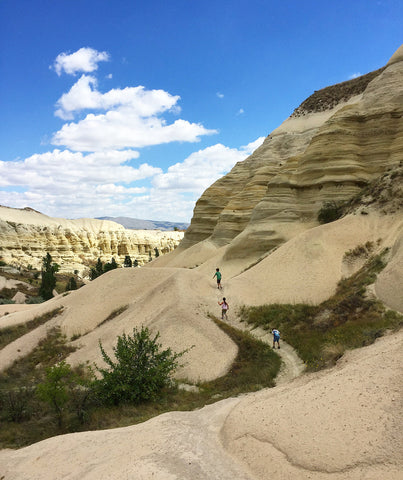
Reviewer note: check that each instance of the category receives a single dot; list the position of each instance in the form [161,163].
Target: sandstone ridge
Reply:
[258,224]
[334,144]
[27,235]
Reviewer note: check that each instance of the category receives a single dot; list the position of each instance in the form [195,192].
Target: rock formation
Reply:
[337,141]
[26,236]
[259,224]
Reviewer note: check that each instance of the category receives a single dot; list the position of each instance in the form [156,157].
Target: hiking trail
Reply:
[291,367]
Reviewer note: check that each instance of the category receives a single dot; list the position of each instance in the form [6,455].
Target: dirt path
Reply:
[292,365]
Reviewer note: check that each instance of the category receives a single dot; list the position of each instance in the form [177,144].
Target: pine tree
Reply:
[128,261]
[99,268]
[71,284]
[48,282]
[110,266]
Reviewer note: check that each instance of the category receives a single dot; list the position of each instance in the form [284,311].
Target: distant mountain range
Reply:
[138,224]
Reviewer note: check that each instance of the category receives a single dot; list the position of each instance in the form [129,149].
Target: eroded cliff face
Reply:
[26,236]
[337,141]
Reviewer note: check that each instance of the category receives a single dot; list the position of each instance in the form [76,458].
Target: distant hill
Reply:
[138,224]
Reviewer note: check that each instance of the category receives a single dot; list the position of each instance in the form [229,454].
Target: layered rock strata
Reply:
[337,141]
[26,236]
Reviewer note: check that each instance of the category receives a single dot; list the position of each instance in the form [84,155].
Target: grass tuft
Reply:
[31,420]
[321,334]
[9,334]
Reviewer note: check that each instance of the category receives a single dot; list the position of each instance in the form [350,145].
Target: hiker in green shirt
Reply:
[218,275]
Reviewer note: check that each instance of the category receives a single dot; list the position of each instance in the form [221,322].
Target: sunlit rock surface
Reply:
[26,236]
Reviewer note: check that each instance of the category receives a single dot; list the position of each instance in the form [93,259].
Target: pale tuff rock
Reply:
[26,236]
[342,423]
[323,153]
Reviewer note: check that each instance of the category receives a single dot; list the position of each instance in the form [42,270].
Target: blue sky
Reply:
[133,108]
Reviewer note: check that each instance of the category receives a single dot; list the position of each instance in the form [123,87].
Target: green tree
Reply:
[141,370]
[157,253]
[97,271]
[55,389]
[330,211]
[71,284]
[128,261]
[48,281]
[110,266]
[99,268]
[135,263]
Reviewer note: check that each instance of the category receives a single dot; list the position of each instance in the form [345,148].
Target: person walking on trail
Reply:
[276,338]
[218,275]
[224,308]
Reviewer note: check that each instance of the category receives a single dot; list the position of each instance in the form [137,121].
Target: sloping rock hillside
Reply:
[344,424]
[258,224]
[337,141]
[26,236]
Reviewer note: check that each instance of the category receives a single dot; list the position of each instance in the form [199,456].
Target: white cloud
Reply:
[134,100]
[121,128]
[110,189]
[355,75]
[83,60]
[202,168]
[132,119]
[240,111]
[63,171]
[71,184]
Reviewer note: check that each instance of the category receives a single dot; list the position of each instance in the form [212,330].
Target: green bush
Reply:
[140,372]
[55,389]
[34,300]
[329,212]
[16,404]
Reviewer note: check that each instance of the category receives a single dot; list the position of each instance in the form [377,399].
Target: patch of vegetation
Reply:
[254,368]
[322,333]
[362,250]
[6,294]
[9,334]
[330,212]
[48,282]
[329,97]
[100,268]
[115,313]
[139,373]
[6,301]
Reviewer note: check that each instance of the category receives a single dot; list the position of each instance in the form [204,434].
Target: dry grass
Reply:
[26,420]
[347,320]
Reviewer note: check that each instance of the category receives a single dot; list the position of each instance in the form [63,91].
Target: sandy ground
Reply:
[339,424]
[336,425]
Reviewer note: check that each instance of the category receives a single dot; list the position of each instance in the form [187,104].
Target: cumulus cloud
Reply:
[202,168]
[83,60]
[240,111]
[73,184]
[110,189]
[94,174]
[132,119]
[64,171]
[121,128]
[134,100]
